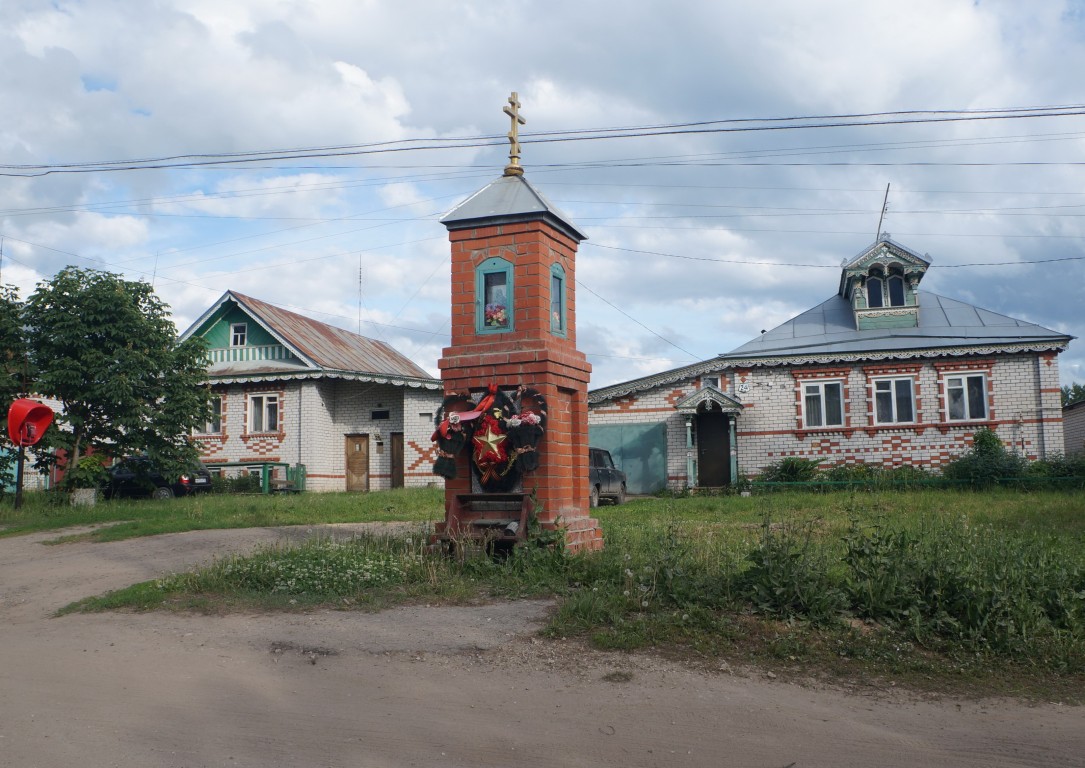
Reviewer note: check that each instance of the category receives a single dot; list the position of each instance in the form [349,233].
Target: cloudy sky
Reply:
[302,152]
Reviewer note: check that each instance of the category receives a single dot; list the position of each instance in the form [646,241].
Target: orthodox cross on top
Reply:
[513,111]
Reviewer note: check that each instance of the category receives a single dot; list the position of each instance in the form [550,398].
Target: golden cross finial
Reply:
[513,111]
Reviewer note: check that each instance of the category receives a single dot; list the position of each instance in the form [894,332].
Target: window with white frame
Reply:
[239,333]
[214,423]
[263,413]
[710,381]
[894,401]
[966,396]
[823,404]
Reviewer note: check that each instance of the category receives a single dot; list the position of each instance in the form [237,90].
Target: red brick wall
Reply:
[529,355]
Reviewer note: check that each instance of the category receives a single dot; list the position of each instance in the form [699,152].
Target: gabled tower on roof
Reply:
[882,285]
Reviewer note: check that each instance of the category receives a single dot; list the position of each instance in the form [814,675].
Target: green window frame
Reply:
[558,290]
[494,296]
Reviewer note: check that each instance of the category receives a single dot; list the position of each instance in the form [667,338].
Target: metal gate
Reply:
[639,450]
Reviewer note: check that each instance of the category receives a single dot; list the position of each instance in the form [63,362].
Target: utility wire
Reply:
[740,125]
[821,266]
[635,320]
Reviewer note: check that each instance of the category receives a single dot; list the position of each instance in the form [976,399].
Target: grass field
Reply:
[124,519]
[943,590]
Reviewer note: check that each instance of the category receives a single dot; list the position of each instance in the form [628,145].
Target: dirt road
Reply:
[420,687]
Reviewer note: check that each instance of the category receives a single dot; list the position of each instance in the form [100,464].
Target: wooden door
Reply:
[397,459]
[713,450]
[357,450]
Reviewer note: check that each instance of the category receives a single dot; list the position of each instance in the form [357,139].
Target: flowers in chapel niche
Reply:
[497,316]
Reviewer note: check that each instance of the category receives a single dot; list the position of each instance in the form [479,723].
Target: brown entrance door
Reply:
[713,450]
[397,459]
[357,448]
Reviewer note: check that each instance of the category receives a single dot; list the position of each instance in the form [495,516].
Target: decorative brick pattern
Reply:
[314,416]
[1022,399]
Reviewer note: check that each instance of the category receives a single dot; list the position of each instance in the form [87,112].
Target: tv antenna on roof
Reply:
[885,207]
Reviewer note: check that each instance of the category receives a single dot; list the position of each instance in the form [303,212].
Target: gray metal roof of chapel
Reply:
[509,198]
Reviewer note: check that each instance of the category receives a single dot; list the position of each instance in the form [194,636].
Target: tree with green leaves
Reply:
[13,363]
[107,349]
[1073,393]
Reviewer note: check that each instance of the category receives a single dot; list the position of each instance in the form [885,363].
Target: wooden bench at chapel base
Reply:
[493,516]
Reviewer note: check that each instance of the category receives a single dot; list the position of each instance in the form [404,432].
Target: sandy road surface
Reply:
[419,687]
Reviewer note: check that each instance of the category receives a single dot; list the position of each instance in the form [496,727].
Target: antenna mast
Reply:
[885,205]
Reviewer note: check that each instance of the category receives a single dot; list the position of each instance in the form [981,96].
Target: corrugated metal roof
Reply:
[829,328]
[827,331]
[509,198]
[326,346]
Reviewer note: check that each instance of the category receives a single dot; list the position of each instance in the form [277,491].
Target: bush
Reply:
[90,472]
[986,462]
[1058,466]
[249,483]
[853,473]
[791,469]
[790,576]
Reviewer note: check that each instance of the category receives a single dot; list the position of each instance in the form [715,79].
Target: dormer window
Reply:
[896,287]
[885,291]
[875,290]
[881,277]
[238,334]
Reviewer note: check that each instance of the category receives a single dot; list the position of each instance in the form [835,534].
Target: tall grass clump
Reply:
[953,584]
[791,574]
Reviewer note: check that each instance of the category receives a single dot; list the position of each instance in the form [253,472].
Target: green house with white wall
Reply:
[289,390]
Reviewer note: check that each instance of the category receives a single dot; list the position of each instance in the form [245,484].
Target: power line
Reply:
[820,266]
[736,125]
[635,320]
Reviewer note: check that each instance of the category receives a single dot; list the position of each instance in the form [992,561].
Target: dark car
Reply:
[137,477]
[607,481]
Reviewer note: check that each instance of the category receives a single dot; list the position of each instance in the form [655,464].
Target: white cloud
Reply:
[97,81]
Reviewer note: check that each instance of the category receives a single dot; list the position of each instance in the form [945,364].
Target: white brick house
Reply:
[356,413]
[879,373]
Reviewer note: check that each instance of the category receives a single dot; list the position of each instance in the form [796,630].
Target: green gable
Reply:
[259,343]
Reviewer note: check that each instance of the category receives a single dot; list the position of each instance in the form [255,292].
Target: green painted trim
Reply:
[558,271]
[494,266]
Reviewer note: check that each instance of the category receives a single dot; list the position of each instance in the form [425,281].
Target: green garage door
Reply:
[640,450]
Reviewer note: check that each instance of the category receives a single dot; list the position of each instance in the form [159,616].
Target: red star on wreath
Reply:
[490,450]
